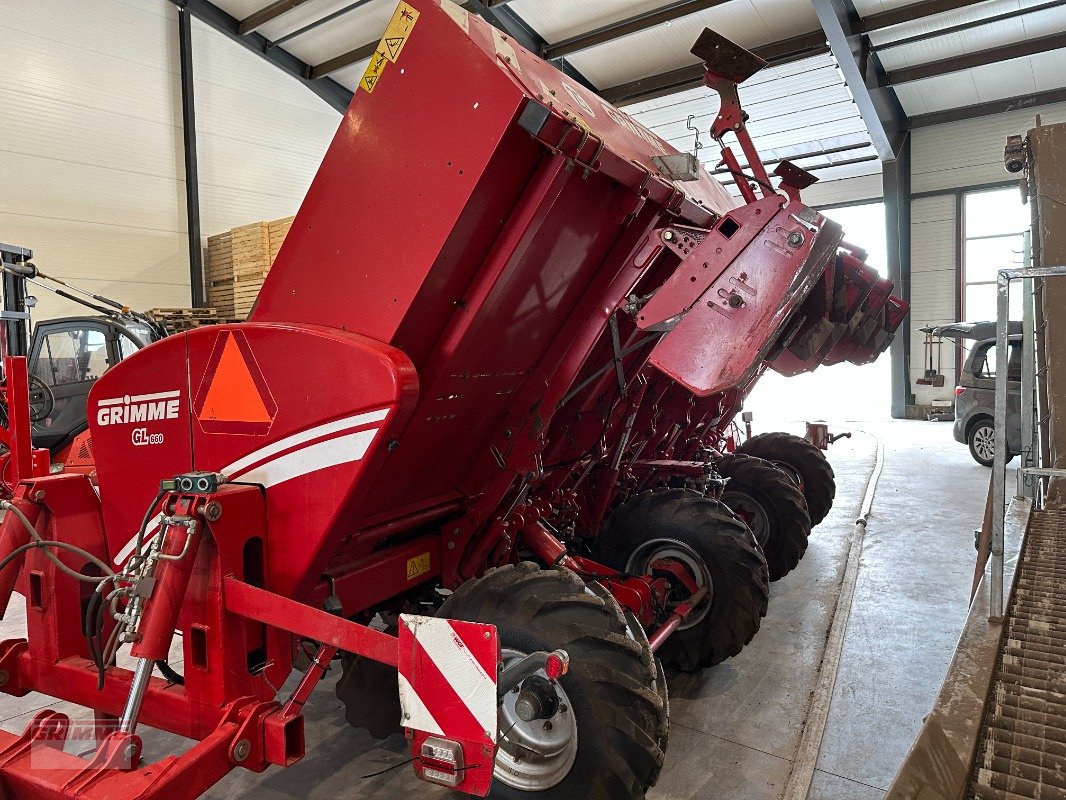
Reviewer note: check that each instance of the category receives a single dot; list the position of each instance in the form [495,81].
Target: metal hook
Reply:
[689,126]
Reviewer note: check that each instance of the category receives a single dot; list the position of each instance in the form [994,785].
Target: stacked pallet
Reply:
[238,261]
[176,320]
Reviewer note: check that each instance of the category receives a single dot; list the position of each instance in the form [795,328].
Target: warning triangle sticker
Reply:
[394,44]
[233,396]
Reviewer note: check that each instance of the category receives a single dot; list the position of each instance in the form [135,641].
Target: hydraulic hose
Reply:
[39,541]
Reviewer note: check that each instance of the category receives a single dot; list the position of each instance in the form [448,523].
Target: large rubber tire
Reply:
[807,462]
[724,544]
[611,685]
[777,509]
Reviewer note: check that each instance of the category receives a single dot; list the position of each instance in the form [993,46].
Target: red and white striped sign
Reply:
[447,673]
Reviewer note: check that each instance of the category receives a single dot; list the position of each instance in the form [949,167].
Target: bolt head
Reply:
[213,511]
[451,545]
[795,238]
[242,750]
[669,236]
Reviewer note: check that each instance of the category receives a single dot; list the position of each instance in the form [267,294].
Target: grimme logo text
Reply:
[138,408]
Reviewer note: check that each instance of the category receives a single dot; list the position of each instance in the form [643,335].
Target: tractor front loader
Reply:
[478,400]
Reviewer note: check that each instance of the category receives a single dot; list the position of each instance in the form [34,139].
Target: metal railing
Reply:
[999,465]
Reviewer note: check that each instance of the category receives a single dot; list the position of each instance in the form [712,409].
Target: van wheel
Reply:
[982,441]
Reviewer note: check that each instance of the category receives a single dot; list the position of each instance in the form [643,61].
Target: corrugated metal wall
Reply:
[91,164]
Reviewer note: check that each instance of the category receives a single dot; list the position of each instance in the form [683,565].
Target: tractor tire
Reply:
[771,505]
[370,693]
[604,740]
[803,461]
[684,524]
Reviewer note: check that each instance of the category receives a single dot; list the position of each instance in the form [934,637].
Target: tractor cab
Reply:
[68,355]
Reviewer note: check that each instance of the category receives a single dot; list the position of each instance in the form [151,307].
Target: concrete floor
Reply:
[736,727]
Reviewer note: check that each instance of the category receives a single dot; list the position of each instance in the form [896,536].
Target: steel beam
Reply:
[877,103]
[1018,103]
[495,13]
[910,13]
[896,182]
[630,25]
[991,55]
[192,178]
[265,15]
[329,90]
[678,80]
[966,26]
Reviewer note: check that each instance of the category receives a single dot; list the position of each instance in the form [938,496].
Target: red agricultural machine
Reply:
[482,402]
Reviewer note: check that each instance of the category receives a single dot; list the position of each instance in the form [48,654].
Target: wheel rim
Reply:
[752,512]
[532,757]
[984,442]
[653,550]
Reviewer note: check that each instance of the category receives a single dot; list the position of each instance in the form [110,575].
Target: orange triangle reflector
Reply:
[233,393]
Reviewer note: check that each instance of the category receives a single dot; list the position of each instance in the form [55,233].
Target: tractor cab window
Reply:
[72,356]
[126,346]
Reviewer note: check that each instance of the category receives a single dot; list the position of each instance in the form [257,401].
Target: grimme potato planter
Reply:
[480,399]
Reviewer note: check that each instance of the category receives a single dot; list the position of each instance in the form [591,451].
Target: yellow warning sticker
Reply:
[419,565]
[391,45]
[377,64]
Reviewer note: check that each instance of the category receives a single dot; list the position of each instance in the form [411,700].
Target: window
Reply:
[72,356]
[995,224]
[984,361]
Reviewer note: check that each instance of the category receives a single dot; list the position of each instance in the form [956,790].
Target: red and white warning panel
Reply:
[448,675]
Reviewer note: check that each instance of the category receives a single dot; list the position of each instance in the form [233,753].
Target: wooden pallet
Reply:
[176,320]
[238,262]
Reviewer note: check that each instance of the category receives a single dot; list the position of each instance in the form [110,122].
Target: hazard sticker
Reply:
[418,566]
[391,45]
[233,396]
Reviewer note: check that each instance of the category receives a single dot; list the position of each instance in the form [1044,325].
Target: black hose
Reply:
[170,673]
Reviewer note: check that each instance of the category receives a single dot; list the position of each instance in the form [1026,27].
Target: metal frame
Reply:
[329,90]
[1018,103]
[192,180]
[786,51]
[999,465]
[878,105]
[965,61]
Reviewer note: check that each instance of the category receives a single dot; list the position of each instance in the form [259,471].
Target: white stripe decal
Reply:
[414,711]
[329,453]
[463,672]
[303,436]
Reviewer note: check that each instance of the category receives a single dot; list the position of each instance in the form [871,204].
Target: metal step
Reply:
[1022,744]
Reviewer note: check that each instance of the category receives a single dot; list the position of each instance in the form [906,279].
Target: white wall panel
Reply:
[845,191]
[970,152]
[91,145]
[933,282]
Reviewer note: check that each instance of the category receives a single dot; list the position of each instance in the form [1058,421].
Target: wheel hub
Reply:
[653,550]
[752,512]
[984,442]
[538,732]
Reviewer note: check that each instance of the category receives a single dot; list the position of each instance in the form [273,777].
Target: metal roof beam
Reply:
[910,13]
[678,80]
[265,15]
[630,25]
[966,26]
[991,55]
[495,13]
[1020,103]
[877,103]
[211,15]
